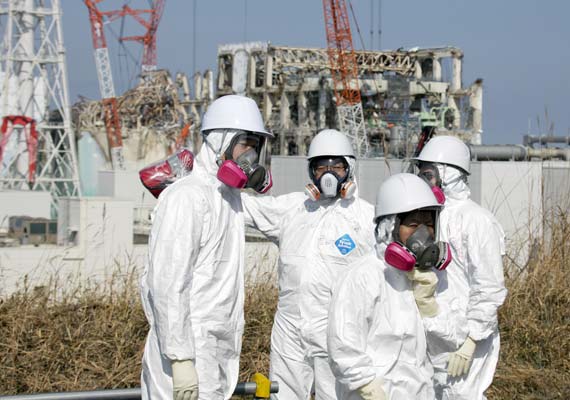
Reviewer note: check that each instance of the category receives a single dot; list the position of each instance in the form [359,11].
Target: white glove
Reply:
[460,361]
[372,390]
[184,380]
[424,284]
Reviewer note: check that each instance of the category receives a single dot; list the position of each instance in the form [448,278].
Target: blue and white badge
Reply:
[345,244]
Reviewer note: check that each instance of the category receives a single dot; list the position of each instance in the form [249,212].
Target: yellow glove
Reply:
[424,284]
[460,361]
[372,390]
[184,380]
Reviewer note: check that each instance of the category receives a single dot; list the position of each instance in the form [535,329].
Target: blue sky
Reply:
[520,48]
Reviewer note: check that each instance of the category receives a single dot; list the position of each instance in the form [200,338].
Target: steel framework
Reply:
[148,40]
[34,98]
[344,72]
[106,85]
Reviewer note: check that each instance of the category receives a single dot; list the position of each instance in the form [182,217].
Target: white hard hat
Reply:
[234,112]
[330,142]
[446,150]
[402,193]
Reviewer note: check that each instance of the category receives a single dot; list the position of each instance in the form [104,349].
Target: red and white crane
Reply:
[148,40]
[344,72]
[106,85]
[102,61]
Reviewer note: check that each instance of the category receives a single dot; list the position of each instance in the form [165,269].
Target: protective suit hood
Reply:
[383,234]
[453,182]
[215,144]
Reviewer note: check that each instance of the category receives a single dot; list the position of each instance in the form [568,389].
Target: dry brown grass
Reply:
[85,339]
[93,338]
[535,325]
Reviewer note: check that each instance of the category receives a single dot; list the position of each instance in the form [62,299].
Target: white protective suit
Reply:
[317,241]
[472,285]
[376,331]
[192,288]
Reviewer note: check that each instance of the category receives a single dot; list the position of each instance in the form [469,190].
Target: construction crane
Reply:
[106,85]
[344,72]
[148,40]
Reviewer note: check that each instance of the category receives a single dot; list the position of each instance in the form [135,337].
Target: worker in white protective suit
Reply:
[192,288]
[318,233]
[473,285]
[379,312]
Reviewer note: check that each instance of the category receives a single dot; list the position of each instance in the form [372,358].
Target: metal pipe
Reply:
[548,153]
[515,152]
[242,389]
[529,140]
[120,394]
[249,388]
[498,152]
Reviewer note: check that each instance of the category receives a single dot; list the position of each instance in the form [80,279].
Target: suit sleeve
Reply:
[173,252]
[266,213]
[486,280]
[351,309]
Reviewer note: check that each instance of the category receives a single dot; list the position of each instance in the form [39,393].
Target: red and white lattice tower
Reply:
[37,144]
[344,72]
[106,85]
[148,40]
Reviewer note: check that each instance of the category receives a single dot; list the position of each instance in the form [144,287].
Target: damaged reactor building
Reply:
[403,91]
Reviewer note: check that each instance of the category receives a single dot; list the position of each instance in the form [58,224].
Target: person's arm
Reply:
[486,281]
[487,292]
[173,250]
[265,213]
[350,312]
[445,328]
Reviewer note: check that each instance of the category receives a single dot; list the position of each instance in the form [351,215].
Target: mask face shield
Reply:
[429,172]
[328,174]
[246,162]
[407,224]
[415,242]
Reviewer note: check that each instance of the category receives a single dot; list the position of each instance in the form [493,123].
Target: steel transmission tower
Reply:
[344,72]
[37,145]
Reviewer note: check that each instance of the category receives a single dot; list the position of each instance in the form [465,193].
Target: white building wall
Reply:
[518,193]
[513,192]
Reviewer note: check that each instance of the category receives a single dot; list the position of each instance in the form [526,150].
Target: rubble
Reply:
[153,116]
[402,92]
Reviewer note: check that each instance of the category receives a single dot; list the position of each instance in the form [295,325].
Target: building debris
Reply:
[153,116]
[401,90]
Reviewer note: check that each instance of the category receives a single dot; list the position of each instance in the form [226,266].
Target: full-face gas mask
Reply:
[430,173]
[249,169]
[334,178]
[420,249]
[159,175]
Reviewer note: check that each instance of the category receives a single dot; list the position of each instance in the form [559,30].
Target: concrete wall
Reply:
[99,229]
[37,266]
[126,185]
[513,192]
[518,193]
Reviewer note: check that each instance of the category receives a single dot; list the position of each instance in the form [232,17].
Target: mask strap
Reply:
[396,231]
[218,152]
